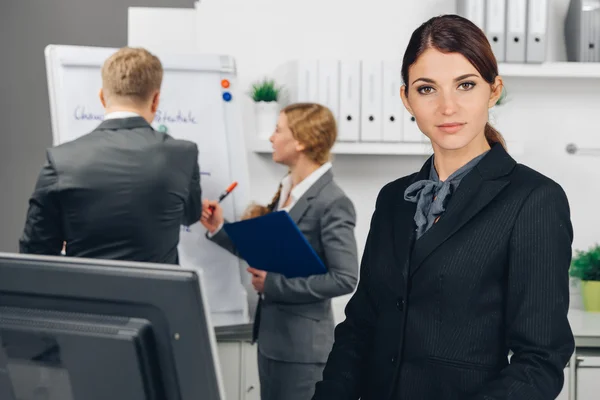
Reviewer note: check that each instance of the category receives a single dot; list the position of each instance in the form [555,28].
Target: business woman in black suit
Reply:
[466,260]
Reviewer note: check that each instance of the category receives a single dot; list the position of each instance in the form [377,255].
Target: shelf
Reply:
[364,148]
[551,70]
[382,149]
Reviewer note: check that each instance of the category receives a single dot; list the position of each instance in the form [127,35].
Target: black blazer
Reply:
[435,319]
[121,192]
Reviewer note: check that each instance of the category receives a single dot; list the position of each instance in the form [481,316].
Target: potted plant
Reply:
[586,266]
[265,94]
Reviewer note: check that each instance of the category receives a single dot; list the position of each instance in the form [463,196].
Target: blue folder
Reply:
[273,243]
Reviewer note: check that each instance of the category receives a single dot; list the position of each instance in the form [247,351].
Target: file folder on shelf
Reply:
[495,27]
[349,119]
[371,117]
[299,79]
[582,25]
[273,243]
[329,86]
[473,10]
[392,102]
[537,22]
[516,20]
[412,133]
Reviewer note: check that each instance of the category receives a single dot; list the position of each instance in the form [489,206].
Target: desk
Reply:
[586,329]
[239,356]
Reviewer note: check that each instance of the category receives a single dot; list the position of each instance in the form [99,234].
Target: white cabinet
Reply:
[239,370]
[250,382]
[588,376]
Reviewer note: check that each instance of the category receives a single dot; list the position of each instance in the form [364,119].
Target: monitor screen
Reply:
[75,329]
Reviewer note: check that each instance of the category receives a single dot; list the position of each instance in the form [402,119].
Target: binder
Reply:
[392,102]
[299,79]
[516,22]
[310,90]
[371,102]
[350,92]
[329,85]
[473,10]
[537,23]
[411,131]
[273,243]
[495,27]
[594,32]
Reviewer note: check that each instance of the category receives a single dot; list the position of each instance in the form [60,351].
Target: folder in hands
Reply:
[273,243]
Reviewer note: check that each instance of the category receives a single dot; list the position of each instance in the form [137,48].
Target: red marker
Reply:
[224,194]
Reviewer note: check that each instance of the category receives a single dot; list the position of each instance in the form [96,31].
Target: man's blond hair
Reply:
[133,74]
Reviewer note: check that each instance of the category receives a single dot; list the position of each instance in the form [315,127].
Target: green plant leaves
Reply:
[586,264]
[265,90]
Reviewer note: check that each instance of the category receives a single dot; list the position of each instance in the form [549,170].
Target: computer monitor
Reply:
[80,329]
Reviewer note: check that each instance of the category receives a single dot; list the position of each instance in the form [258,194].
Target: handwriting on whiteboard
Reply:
[81,113]
[180,117]
[162,117]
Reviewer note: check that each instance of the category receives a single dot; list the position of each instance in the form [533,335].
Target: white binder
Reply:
[495,27]
[392,102]
[516,22]
[371,101]
[299,79]
[411,131]
[537,23]
[310,70]
[350,98]
[473,10]
[329,85]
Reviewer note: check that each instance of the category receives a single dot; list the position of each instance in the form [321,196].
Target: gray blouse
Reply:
[432,195]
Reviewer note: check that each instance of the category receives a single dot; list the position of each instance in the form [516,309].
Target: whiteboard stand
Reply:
[200,102]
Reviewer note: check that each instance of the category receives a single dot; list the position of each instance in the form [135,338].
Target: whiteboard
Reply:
[195,105]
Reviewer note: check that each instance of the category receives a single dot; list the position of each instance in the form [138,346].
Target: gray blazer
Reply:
[121,192]
[296,323]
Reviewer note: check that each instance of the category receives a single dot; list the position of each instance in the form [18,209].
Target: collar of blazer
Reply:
[123,123]
[297,212]
[476,190]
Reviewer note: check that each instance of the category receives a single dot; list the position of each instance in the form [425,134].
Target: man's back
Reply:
[120,192]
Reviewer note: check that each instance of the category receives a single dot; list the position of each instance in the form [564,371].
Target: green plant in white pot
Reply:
[586,266]
[265,94]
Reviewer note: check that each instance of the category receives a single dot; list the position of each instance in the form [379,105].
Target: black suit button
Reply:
[393,359]
[400,304]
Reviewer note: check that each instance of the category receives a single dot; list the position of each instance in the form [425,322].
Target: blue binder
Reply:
[273,243]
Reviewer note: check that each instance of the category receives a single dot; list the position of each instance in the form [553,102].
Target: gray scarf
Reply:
[425,191]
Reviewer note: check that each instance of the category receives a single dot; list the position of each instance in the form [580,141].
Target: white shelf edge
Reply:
[364,148]
[551,70]
[367,148]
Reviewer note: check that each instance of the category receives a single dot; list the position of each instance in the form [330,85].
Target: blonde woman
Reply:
[294,320]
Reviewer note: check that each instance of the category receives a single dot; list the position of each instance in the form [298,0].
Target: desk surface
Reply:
[234,333]
[586,328]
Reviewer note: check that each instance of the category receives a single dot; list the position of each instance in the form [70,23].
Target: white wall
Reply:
[265,33]
[545,114]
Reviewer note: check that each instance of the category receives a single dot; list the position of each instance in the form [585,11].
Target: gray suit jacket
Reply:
[121,192]
[296,323]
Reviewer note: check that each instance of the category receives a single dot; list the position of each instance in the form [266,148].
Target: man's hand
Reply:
[258,279]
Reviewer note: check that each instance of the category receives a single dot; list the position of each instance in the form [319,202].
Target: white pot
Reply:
[266,118]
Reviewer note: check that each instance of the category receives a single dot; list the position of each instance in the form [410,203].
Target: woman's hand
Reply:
[211,219]
[258,279]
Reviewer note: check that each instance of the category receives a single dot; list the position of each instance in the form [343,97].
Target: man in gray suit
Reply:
[124,190]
